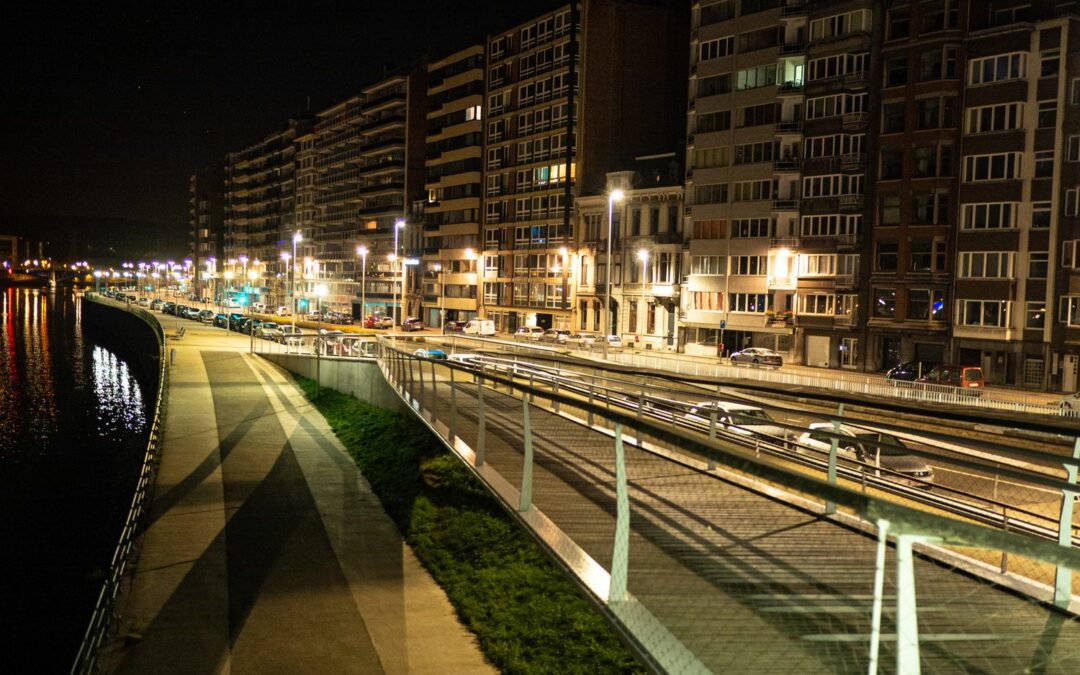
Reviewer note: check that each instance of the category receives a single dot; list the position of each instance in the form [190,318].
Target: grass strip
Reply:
[527,616]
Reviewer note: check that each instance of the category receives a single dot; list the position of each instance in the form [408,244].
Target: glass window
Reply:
[887,253]
[1044,164]
[885,302]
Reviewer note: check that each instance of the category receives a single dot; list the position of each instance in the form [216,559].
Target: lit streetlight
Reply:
[296,239]
[362,251]
[613,196]
[398,226]
[442,293]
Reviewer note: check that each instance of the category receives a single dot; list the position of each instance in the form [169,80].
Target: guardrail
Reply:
[437,390]
[101,618]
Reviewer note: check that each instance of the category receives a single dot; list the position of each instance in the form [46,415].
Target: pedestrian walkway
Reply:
[267,551]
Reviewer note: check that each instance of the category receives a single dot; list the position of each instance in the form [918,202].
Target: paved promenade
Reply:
[268,552]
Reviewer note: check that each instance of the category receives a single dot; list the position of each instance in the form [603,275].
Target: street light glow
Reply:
[642,255]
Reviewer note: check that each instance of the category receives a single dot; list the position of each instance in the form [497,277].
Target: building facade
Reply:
[369,164]
[455,99]
[259,215]
[206,195]
[571,95]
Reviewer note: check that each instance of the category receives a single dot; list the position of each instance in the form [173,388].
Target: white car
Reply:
[529,333]
[869,447]
[269,330]
[739,418]
[582,340]
[282,311]
[289,334]
[614,342]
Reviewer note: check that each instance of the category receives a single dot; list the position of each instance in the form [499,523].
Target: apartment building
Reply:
[259,210]
[455,148]
[647,247]
[369,161]
[1014,302]
[571,95]
[915,211]
[744,137]
[206,195]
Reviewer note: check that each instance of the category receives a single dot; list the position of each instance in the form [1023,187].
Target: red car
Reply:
[378,322]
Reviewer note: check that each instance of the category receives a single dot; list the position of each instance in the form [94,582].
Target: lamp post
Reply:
[564,253]
[398,225]
[442,304]
[320,291]
[643,256]
[296,238]
[614,196]
[362,251]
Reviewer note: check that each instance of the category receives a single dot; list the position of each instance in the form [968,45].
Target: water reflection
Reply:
[119,399]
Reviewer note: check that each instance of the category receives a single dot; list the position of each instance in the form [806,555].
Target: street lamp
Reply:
[615,195]
[320,291]
[442,295]
[564,253]
[296,238]
[362,251]
[643,256]
[398,225]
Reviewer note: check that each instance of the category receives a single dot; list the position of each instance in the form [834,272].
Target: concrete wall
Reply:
[362,379]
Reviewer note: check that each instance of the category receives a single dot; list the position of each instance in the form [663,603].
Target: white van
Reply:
[481,327]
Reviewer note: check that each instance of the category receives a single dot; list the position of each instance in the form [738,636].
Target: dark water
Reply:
[73,426]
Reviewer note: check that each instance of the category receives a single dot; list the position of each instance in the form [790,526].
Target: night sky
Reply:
[109,107]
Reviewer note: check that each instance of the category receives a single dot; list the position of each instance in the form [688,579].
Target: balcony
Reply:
[851,202]
[786,165]
[780,319]
[845,281]
[792,87]
[792,48]
[853,161]
[857,120]
[847,241]
[791,204]
[784,242]
[844,320]
[665,290]
[786,127]
[860,80]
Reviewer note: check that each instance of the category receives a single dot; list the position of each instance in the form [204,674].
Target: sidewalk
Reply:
[267,550]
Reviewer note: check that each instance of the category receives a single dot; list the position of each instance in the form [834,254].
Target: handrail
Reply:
[101,618]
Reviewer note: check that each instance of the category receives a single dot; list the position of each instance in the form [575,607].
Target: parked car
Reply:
[739,418]
[867,446]
[258,307]
[378,321]
[289,334]
[555,336]
[328,343]
[967,379]
[431,353]
[234,320]
[451,327]
[205,315]
[908,372]
[412,323]
[582,340]
[529,333]
[168,308]
[156,303]
[282,310]
[480,327]
[269,330]
[221,320]
[614,342]
[758,356]
[144,302]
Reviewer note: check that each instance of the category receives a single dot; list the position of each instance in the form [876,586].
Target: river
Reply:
[73,426]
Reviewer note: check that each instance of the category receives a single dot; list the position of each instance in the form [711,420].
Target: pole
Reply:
[363,288]
[607,274]
[318,349]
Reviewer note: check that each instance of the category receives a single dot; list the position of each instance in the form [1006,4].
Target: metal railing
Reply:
[102,616]
[508,394]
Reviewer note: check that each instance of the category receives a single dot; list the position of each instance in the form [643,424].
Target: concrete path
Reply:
[268,552]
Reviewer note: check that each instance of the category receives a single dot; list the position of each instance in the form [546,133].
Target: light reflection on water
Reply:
[52,377]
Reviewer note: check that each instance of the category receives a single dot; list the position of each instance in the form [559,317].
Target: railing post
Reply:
[640,413]
[453,408]
[712,438]
[1063,576]
[480,423]
[834,447]
[420,370]
[434,392]
[879,590]
[592,396]
[554,401]
[620,554]
[907,625]
[525,502]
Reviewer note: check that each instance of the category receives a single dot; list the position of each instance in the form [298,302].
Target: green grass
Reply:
[527,616]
